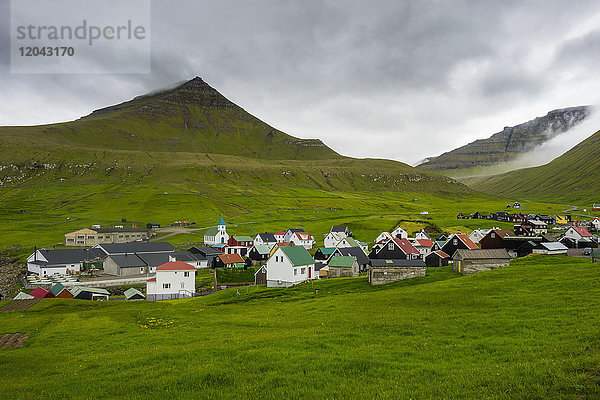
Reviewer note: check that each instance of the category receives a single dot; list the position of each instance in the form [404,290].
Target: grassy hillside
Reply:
[526,331]
[574,176]
[506,145]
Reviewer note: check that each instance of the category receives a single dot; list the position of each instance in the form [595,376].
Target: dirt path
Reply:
[19,305]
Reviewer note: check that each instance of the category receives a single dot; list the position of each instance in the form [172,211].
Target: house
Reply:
[333,238]
[384,271]
[524,229]
[217,234]
[395,249]
[437,259]
[521,246]
[462,216]
[551,248]
[384,237]
[563,219]
[239,244]
[517,218]
[136,247]
[324,253]
[302,239]
[547,219]
[288,266]
[495,239]
[289,233]
[260,276]
[58,261]
[422,235]
[578,237]
[90,237]
[228,260]
[501,216]
[131,264]
[351,242]
[280,236]
[41,293]
[468,261]
[207,252]
[538,227]
[477,235]
[595,223]
[399,233]
[260,253]
[58,290]
[516,204]
[424,246]
[458,241]
[341,228]
[478,215]
[89,293]
[173,280]
[342,266]
[197,260]
[356,252]
[265,238]
[133,294]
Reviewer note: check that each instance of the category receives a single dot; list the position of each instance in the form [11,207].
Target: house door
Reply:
[309,273]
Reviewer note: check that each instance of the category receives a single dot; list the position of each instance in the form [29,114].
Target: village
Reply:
[98,258]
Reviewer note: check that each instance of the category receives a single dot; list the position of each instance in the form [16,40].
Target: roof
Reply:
[187,256]
[294,230]
[357,252]
[582,231]
[424,242]
[126,229]
[154,259]
[298,255]
[481,254]
[502,232]
[136,247]
[222,221]
[206,251]
[440,254]
[175,266]
[56,289]
[468,242]
[267,237]
[23,296]
[327,250]
[342,261]
[263,248]
[397,263]
[40,293]
[280,233]
[151,280]
[127,260]
[78,289]
[129,293]
[230,258]
[339,228]
[303,235]
[406,246]
[554,246]
[211,231]
[64,256]
[352,242]
[242,238]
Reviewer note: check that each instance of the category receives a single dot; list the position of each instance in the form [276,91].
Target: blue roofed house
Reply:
[217,234]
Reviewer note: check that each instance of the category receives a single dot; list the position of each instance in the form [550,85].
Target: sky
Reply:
[402,80]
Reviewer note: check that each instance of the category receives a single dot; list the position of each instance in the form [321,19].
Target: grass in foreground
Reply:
[526,331]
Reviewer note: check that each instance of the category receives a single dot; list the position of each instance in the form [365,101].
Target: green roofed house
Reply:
[134,294]
[259,253]
[290,265]
[60,291]
[217,234]
[324,253]
[342,266]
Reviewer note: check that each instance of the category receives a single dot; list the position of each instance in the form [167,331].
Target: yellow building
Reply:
[89,237]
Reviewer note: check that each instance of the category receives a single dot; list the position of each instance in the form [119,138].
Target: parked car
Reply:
[587,251]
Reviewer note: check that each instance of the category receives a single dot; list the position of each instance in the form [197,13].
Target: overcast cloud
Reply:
[386,79]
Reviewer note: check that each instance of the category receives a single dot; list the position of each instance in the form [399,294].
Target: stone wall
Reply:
[385,275]
[469,267]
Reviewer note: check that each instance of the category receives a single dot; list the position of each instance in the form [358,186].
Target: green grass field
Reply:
[528,331]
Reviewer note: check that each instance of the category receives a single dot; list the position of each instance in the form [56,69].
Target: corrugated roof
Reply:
[342,261]
[424,242]
[175,266]
[298,255]
[582,231]
[441,254]
[78,289]
[406,246]
[481,254]
[357,252]
[352,242]
[554,246]
[468,242]
[129,293]
[231,258]
[243,238]
[263,248]
[327,250]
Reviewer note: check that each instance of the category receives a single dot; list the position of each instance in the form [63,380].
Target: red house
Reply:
[41,293]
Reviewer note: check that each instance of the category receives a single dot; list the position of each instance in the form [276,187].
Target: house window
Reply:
[166,286]
[295,271]
[182,285]
[493,235]
[141,270]
[186,274]
[455,242]
[80,242]
[120,236]
[70,240]
[302,270]
[80,237]
[390,246]
[91,237]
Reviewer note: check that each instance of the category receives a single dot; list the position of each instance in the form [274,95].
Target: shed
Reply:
[260,276]
[41,293]
[472,261]
[437,259]
[552,248]
[382,271]
[23,296]
[133,294]
[60,291]
[88,293]
[342,266]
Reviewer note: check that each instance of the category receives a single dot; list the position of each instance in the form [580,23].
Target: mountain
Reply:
[508,144]
[191,133]
[574,176]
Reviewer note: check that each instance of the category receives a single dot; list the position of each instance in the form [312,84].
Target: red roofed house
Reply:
[578,237]
[280,236]
[458,241]
[437,259]
[395,249]
[302,239]
[173,280]
[424,246]
[228,260]
[41,293]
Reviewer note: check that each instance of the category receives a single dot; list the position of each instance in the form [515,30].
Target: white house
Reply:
[265,238]
[196,260]
[578,233]
[422,235]
[59,261]
[302,239]
[383,237]
[333,238]
[280,237]
[173,280]
[217,235]
[290,265]
[424,246]
[399,233]
[596,223]
[478,234]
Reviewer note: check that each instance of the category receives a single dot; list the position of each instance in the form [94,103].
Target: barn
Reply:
[437,259]
[260,276]
[472,261]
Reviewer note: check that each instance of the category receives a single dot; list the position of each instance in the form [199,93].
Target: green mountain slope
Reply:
[574,176]
[507,144]
[191,117]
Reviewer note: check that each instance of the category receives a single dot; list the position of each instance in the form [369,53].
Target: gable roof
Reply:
[242,238]
[205,251]
[78,289]
[154,259]
[64,256]
[342,261]
[222,221]
[263,248]
[440,254]
[468,242]
[187,256]
[327,251]
[127,260]
[405,246]
[357,252]
[129,293]
[231,258]
[298,255]
[56,289]
[481,254]
[582,231]
[136,247]
[40,293]
[175,266]
[424,242]
[397,263]
[211,231]
[303,235]
[352,242]
[339,228]
[267,237]
[23,296]
[554,246]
